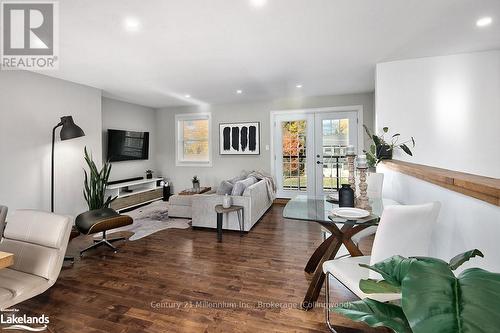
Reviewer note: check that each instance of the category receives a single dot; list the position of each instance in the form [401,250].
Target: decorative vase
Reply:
[149,176]
[352,176]
[346,196]
[227,201]
[196,185]
[362,201]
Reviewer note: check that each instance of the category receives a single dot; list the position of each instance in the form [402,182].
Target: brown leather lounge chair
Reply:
[101,220]
[74,233]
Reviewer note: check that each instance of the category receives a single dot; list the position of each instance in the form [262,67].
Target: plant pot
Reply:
[384,152]
[149,176]
[196,185]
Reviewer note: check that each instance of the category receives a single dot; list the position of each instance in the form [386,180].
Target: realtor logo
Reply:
[14,321]
[29,35]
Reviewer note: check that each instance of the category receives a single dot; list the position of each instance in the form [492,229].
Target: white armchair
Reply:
[38,241]
[403,230]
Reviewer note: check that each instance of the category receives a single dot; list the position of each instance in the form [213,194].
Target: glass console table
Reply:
[318,209]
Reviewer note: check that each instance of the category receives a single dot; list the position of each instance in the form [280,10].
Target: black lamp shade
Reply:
[69,129]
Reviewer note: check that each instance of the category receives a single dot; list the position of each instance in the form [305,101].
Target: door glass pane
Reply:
[335,141]
[294,155]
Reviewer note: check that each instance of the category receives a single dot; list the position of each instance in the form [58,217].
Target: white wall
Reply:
[30,106]
[126,116]
[464,223]
[225,167]
[450,104]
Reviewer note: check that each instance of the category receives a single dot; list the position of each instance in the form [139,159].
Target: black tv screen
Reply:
[127,145]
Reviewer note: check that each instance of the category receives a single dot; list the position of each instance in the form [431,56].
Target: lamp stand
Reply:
[52,167]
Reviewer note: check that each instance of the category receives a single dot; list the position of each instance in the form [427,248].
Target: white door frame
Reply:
[319,143]
[349,108]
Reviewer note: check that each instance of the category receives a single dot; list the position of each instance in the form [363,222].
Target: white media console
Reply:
[134,193]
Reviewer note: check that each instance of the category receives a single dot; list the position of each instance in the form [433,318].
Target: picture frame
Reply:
[241,138]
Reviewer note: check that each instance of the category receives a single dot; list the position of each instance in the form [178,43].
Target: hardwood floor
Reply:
[184,281]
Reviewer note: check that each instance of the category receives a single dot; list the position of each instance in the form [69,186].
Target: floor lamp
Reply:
[69,130]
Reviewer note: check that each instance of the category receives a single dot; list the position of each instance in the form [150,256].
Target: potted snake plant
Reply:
[95,183]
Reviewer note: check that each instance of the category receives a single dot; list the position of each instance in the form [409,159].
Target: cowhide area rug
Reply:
[150,219]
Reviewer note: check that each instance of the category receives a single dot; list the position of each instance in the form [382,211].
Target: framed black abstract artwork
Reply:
[239,139]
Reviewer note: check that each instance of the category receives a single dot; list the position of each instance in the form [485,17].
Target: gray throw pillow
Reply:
[224,188]
[241,185]
[235,179]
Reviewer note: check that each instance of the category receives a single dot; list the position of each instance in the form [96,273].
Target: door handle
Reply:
[318,162]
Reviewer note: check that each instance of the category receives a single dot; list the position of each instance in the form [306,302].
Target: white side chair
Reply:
[38,241]
[403,230]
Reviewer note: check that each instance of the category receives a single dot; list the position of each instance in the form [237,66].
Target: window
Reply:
[194,141]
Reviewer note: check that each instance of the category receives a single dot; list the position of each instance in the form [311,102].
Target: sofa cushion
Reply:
[18,283]
[180,200]
[35,227]
[241,185]
[225,187]
[30,258]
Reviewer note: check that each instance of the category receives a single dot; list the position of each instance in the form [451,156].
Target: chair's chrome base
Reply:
[103,241]
[327,303]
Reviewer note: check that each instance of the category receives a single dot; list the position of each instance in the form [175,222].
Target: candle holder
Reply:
[350,166]
[362,201]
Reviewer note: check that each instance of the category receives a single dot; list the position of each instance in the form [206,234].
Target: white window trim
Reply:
[178,143]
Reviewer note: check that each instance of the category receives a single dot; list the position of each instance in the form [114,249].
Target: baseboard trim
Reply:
[281,201]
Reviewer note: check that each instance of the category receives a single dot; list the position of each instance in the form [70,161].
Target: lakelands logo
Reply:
[11,321]
[30,35]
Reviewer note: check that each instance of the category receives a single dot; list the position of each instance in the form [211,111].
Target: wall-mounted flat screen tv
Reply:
[127,145]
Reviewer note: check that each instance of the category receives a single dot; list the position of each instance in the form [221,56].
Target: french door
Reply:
[308,149]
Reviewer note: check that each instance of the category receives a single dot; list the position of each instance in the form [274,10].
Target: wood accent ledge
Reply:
[479,187]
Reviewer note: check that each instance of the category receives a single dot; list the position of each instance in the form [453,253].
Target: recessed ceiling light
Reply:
[258,3]
[132,24]
[484,21]
[239,91]
[187,96]
[298,86]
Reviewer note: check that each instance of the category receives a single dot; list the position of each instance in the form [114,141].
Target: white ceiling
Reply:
[211,48]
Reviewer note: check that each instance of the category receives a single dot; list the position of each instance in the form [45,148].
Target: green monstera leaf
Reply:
[433,298]
[376,314]
[393,270]
[458,260]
